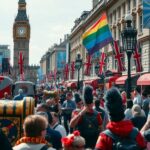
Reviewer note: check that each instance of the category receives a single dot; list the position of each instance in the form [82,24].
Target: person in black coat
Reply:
[4,143]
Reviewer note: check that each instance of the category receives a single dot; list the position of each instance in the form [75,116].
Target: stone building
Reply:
[53,60]
[4,58]
[115,10]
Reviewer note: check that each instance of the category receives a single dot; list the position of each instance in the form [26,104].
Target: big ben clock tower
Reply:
[21,38]
[21,35]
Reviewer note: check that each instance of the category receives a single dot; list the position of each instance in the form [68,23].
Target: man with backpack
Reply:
[120,133]
[88,121]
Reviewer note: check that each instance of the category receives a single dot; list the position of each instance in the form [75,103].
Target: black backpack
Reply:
[124,143]
[89,128]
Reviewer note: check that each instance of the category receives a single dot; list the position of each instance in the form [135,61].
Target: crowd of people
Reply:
[91,120]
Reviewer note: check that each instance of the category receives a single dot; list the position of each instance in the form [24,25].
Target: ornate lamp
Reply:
[129,42]
[78,65]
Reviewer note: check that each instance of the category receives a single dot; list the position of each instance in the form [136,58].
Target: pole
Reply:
[78,85]
[128,88]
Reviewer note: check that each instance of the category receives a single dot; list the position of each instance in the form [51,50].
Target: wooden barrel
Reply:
[12,115]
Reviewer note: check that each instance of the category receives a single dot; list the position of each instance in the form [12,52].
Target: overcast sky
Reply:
[49,21]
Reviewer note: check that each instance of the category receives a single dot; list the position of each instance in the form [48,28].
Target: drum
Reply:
[12,115]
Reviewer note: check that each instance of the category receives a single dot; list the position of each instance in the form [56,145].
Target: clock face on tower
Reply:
[21,31]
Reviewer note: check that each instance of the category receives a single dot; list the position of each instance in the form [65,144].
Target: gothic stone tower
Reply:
[21,35]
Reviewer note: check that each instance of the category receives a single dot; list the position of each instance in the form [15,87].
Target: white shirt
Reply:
[138,100]
[60,129]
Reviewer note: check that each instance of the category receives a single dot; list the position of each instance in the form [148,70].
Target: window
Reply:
[119,33]
[119,12]
[114,33]
[140,23]
[134,3]
[134,21]
[110,19]
[128,6]
[124,9]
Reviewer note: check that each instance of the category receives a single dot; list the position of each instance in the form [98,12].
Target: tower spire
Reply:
[22,15]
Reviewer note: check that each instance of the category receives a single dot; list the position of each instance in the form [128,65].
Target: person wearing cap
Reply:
[20,95]
[117,125]
[139,117]
[88,121]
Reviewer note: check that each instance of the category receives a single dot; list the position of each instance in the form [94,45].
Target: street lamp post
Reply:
[102,76]
[78,65]
[129,42]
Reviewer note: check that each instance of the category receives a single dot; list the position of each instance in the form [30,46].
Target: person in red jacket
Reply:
[117,124]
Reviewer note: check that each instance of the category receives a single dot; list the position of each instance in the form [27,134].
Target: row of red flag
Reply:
[118,55]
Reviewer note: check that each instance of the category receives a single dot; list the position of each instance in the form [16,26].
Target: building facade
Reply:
[116,11]
[4,58]
[53,61]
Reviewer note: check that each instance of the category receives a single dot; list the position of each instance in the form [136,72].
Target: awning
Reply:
[110,81]
[92,82]
[144,79]
[72,85]
[121,80]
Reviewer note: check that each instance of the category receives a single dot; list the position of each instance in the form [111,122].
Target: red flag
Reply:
[72,69]
[20,62]
[118,57]
[21,66]
[102,63]
[137,58]
[87,65]
[66,71]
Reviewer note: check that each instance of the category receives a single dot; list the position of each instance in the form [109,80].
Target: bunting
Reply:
[102,63]
[72,69]
[118,57]
[87,65]
[137,58]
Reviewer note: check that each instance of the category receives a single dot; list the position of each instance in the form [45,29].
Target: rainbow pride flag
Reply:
[97,36]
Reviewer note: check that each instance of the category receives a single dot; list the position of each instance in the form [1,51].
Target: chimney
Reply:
[95,2]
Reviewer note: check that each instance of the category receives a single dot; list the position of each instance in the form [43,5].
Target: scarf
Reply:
[33,140]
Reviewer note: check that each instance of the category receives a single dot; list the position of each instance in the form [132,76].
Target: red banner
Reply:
[102,63]
[87,65]
[72,69]
[137,58]
[118,57]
